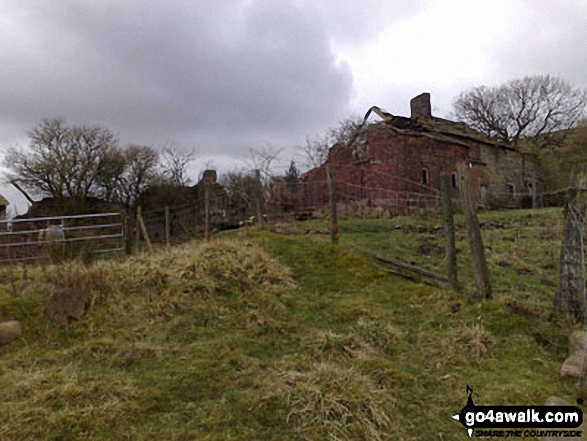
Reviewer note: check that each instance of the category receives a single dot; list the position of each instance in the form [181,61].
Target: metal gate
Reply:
[24,240]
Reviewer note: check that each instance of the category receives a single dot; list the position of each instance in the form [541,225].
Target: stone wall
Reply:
[511,177]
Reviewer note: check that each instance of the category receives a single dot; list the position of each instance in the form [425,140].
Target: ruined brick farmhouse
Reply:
[401,158]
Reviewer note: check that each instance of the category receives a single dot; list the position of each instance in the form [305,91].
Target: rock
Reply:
[556,401]
[65,305]
[577,342]
[10,331]
[575,365]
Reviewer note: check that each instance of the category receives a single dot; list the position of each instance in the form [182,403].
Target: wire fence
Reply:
[403,220]
[396,218]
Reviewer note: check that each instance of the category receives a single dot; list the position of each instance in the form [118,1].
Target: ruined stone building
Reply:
[402,157]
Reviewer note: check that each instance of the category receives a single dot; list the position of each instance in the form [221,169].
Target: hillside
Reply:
[264,336]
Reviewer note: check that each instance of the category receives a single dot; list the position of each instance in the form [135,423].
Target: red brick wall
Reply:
[395,163]
[392,163]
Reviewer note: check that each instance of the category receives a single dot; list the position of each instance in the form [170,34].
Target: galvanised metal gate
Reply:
[23,240]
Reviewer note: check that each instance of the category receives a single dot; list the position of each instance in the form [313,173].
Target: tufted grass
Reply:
[262,336]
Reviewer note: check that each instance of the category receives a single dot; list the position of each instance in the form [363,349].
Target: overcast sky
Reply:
[222,76]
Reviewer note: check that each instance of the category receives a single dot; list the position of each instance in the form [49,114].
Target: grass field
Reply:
[265,336]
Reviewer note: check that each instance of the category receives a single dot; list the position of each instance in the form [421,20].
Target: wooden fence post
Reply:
[570,298]
[143,228]
[126,231]
[334,228]
[259,200]
[137,231]
[474,233]
[167,228]
[206,210]
[449,232]
[409,203]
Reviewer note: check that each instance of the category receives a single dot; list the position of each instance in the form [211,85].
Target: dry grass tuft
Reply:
[475,339]
[340,402]
[379,334]
[59,398]
[161,285]
[330,346]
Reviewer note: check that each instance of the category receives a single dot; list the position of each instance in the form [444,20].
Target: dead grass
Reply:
[331,346]
[379,333]
[333,401]
[474,339]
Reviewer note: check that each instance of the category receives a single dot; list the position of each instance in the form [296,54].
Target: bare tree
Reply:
[139,173]
[540,108]
[61,160]
[174,164]
[111,170]
[315,152]
[262,159]
[241,188]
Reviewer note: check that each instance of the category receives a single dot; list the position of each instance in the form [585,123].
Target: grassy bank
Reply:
[264,336]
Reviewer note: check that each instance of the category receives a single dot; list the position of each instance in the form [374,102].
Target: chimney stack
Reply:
[420,107]
[210,176]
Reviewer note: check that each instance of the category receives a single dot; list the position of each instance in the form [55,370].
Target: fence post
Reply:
[206,210]
[474,233]
[13,280]
[143,229]
[124,242]
[449,232]
[570,296]
[137,231]
[63,243]
[259,200]
[410,204]
[334,228]
[167,228]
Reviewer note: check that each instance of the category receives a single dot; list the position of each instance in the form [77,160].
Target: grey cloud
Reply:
[355,23]
[224,72]
[548,38]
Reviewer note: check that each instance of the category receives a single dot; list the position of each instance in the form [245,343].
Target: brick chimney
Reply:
[420,107]
[210,176]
